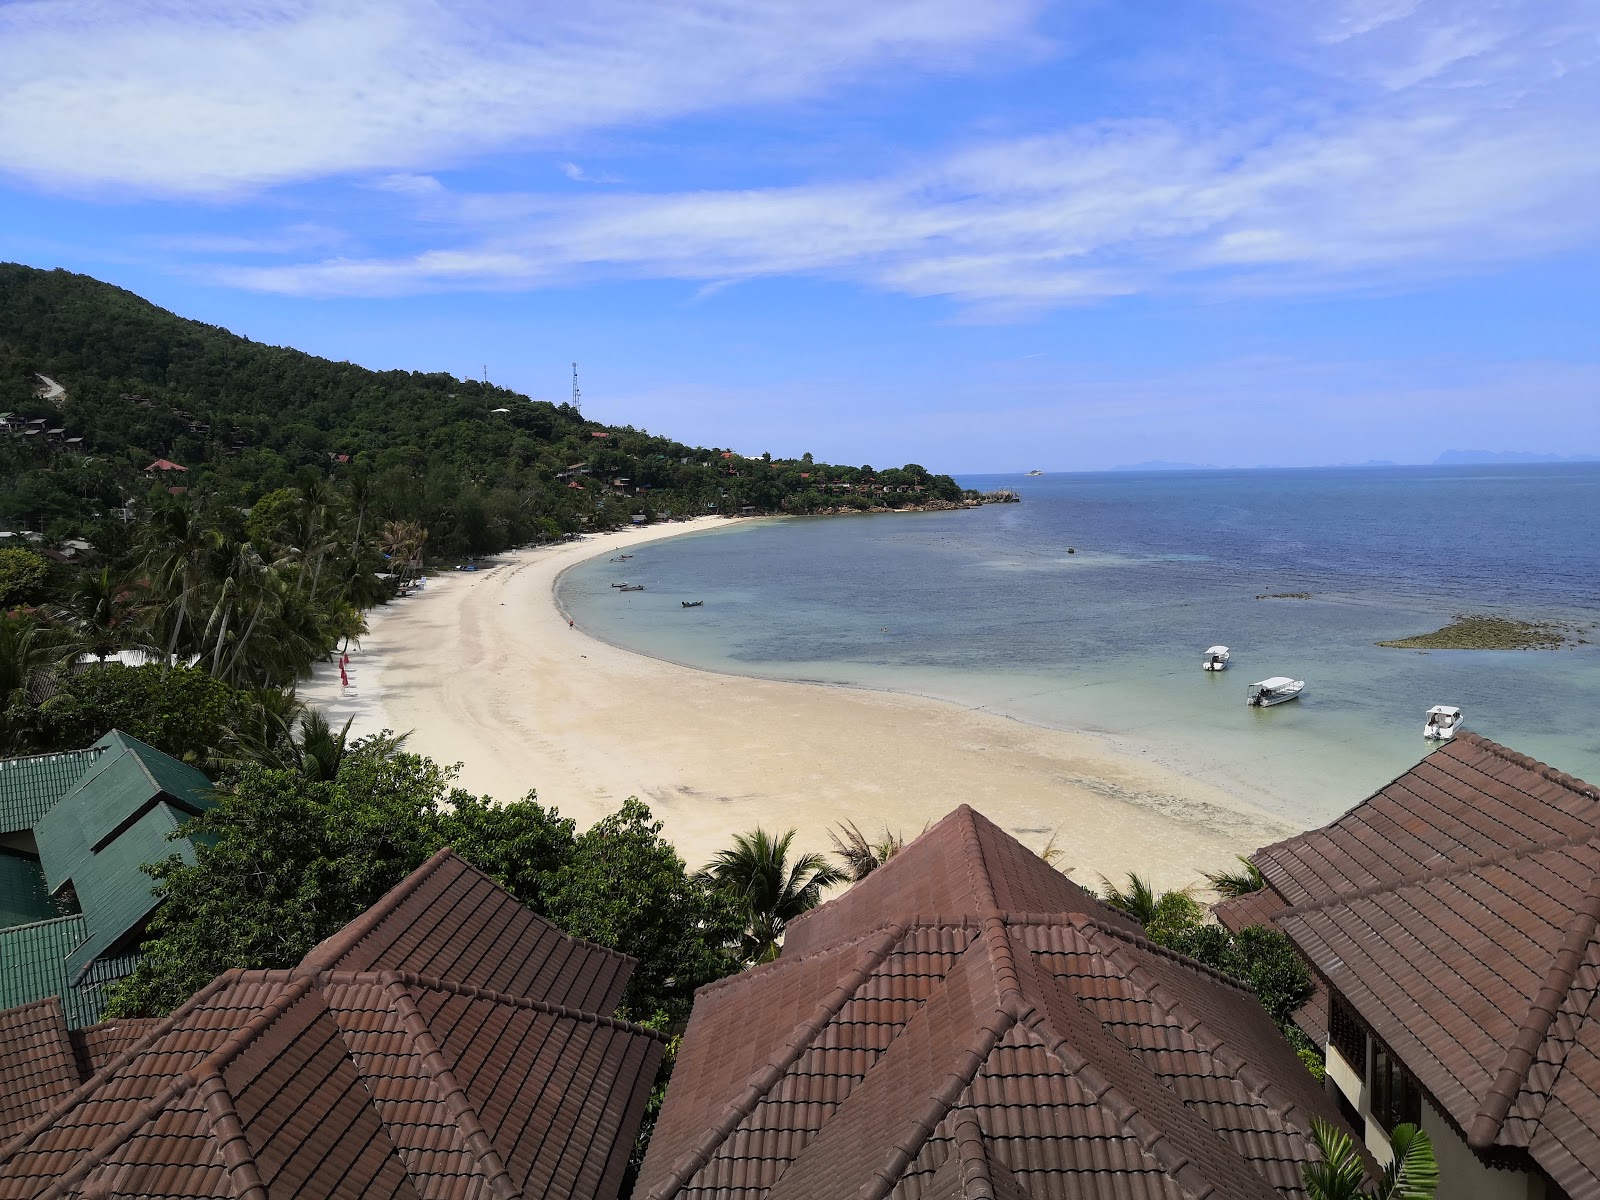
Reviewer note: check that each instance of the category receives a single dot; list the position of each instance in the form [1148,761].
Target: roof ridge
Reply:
[325,953]
[12,761]
[1256,1083]
[65,1184]
[454,1096]
[762,970]
[77,916]
[763,1079]
[977,1180]
[1544,770]
[902,1154]
[181,1085]
[1150,1139]
[27,1133]
[977,865]
[433,983]
[1205,970]
[232,1145]
[1424,875]
[1553,992]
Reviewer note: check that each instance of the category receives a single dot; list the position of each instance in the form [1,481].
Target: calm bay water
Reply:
[989,609]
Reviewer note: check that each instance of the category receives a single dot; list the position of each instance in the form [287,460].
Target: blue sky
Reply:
[976,234]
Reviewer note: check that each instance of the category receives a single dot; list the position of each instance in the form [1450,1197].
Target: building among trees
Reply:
[1451,922]
[447,1043]
[75,830]
[967,1022]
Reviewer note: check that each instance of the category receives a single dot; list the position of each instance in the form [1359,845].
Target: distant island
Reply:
[1462,458]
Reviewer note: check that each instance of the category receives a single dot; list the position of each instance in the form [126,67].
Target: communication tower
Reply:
[576,406]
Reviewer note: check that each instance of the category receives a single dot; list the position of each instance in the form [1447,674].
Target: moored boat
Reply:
[1216,659]
[692,603]
[631,587]
[1443,721]
[1276,690]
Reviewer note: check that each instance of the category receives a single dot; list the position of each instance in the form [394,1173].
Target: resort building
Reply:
[446,1044]
[75,830]
[966,1022]
[1451,922]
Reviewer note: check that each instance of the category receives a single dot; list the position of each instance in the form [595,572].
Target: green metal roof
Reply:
[113,890]
[33,965]
[127,781]
[23,897]
[29,786]
[97,816]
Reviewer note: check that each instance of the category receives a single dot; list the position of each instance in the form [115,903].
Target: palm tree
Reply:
[1412,1175]
[28,656]
[178,543]
[772,890]
[402,541]
[102,611]
[1239,882]
[1139,899]
[862,856]
[1053,852]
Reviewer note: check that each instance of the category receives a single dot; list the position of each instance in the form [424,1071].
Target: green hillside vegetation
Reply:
[234,509]
[246,419]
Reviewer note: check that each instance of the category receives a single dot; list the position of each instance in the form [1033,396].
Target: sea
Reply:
[1087,606]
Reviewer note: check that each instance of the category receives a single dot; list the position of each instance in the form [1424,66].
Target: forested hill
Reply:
[481,467]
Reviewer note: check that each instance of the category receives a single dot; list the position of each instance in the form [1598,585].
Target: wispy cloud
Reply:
[179,97]
[1366,199]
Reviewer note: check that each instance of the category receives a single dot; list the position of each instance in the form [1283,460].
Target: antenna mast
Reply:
[575,392]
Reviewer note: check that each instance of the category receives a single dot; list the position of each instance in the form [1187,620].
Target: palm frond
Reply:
[1414,1172]
[1239,882]
[1339,1174]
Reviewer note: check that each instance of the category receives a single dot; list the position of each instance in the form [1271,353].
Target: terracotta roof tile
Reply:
[37,1069]
[959,1049]
[337,1079]
[1456,909]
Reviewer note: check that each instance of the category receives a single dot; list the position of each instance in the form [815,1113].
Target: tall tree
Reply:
[769,887]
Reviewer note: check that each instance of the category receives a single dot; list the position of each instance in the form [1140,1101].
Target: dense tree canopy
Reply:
[283,862]
[480,467]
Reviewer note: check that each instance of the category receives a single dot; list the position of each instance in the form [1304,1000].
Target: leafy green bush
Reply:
[318,854]
[22,575]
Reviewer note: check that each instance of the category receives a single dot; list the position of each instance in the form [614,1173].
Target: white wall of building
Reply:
[1462,1176]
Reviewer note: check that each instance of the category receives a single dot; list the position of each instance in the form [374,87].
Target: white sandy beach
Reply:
[485,671]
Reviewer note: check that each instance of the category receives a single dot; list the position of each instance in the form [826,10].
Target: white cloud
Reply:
[1375,198]
[175,96]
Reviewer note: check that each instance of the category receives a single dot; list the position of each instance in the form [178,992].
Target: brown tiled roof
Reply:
[918,1039]
[1456,911]
[437,1047]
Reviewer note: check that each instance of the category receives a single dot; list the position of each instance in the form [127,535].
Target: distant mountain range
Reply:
[1457,458]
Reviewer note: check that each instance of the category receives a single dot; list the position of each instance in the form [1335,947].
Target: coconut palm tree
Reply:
[28,657]
[1413,1174]
[1239,882]
[103,611]
[178,542]
[1139,899]
[860,854]
[773,890]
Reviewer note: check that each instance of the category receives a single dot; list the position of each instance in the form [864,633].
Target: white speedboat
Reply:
[1443,721]
[1276,690]
[1216,659]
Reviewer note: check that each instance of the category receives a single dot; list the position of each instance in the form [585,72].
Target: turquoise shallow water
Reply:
[988,609]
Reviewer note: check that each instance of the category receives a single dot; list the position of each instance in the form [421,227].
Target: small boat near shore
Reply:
[1443,721]
[1216,659]
[1276,690]
[631,587]
[692,603]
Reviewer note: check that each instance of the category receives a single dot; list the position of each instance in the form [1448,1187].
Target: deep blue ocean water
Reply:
[987,607]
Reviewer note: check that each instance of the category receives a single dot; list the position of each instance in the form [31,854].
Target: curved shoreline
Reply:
[487,671]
